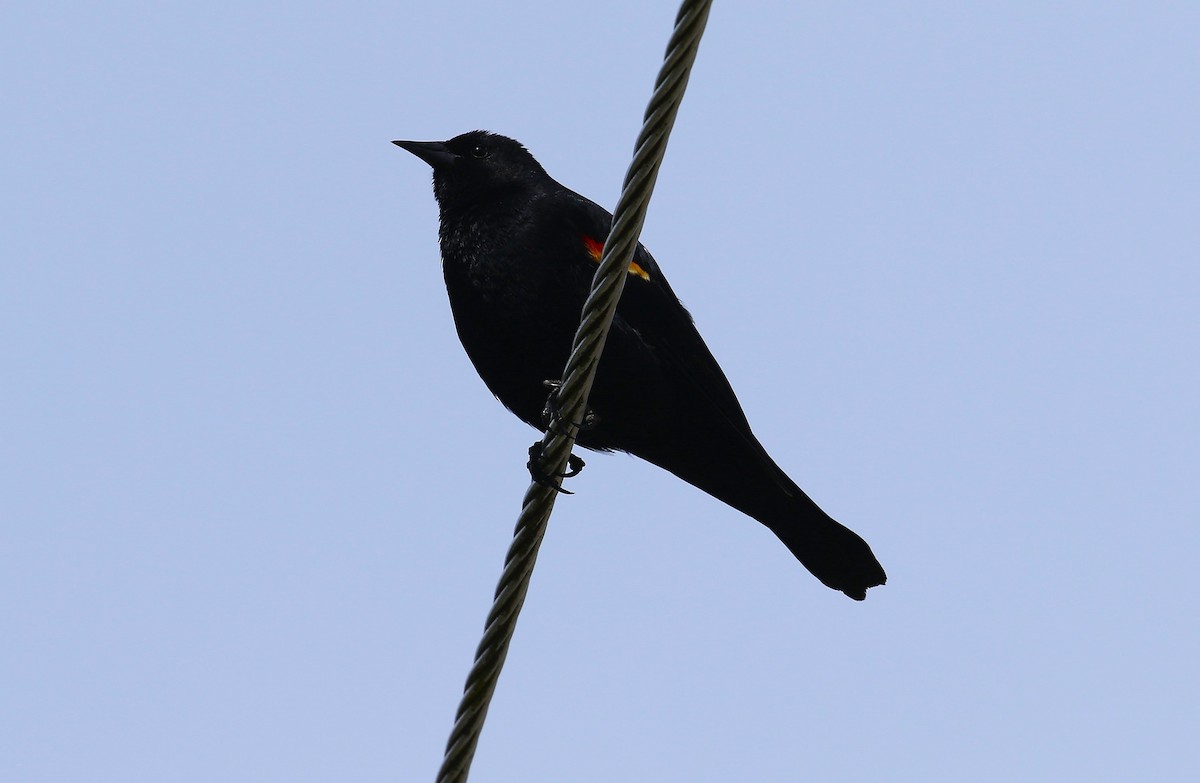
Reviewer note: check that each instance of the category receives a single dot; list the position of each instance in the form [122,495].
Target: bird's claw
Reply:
[575,466]
[552,413]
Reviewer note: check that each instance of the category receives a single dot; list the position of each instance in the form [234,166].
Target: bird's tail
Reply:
[738,471]
[835,554]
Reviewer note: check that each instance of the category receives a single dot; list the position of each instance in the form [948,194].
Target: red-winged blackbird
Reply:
[519,251]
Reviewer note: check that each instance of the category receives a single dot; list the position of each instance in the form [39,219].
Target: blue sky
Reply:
[255,501]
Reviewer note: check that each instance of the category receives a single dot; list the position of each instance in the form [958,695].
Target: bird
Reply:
[519,251]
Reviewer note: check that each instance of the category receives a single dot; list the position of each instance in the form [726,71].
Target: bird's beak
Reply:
[434,153]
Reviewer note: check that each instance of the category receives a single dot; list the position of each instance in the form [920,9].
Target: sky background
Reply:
[254,500]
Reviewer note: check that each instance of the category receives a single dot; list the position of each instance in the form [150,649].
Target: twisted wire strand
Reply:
[571,396]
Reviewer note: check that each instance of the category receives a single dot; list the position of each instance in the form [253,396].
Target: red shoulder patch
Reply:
[595,249]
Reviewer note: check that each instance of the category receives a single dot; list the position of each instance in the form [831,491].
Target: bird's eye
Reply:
[479,151]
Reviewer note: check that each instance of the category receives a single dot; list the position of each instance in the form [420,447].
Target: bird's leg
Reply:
[552,414]
[552,417]
[574,467]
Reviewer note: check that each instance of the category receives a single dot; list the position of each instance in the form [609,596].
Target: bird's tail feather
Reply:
[835,554]
[739,472]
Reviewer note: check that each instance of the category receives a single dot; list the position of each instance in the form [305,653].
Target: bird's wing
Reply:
[650,311]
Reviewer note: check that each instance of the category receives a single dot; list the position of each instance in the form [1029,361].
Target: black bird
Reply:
[519,251]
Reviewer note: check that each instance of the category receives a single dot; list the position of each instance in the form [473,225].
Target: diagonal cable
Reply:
[577,383]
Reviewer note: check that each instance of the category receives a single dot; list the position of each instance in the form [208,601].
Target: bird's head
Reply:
[475,166]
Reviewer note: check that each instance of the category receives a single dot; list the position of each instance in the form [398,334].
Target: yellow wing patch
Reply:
[595,249]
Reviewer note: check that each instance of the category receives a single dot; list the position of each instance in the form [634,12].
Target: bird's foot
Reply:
[553,480]
[552,413]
